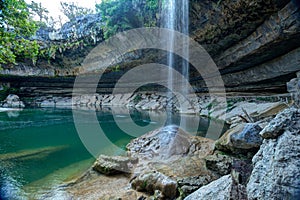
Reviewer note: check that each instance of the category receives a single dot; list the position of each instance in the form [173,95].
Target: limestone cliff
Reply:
[254,43]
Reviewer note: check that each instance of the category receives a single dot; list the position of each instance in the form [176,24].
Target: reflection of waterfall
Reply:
[176,18]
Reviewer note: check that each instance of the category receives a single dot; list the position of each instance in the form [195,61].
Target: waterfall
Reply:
[176,17]
[170,24]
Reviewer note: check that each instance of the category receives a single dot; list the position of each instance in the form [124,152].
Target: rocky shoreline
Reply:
[170,164]
[255,157]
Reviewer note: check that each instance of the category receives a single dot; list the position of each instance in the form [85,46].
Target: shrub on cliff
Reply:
[121,15]
[15,26]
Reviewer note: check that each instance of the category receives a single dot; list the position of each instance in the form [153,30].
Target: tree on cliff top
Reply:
[72,10]
[15,26]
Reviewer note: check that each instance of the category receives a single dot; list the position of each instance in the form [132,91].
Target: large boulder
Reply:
[225,188]
[152,181]
[173,153]
[13,101]
[243,138]
[113,165]
[276,172]
[169,141]
[279,124]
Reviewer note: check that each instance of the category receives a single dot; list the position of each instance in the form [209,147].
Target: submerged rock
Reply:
[152,181]
[31,154]
[113,165]
[243,138]
[276,172]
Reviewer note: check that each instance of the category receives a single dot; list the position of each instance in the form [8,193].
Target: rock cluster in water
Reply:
[12,101]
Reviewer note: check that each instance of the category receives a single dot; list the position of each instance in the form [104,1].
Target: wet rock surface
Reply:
[164,143]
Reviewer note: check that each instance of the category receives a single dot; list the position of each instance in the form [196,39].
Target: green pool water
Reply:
[41,148]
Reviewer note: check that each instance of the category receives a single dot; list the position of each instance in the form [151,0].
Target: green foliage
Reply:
[51,51]
[116,68]
[137,98]
[121,15]
[72,10]
[6,91]
[44,21]
[15,26]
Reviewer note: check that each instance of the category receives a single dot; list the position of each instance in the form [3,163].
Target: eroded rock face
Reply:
[254,43]
[247,47]
[165,142]
[276,173]
[176,154]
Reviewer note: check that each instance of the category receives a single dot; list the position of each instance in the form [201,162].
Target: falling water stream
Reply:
[177,19]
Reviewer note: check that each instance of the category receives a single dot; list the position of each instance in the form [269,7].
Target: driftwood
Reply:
[248,118]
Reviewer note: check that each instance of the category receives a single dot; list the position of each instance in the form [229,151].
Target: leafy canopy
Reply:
[15,26]
[121,15]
